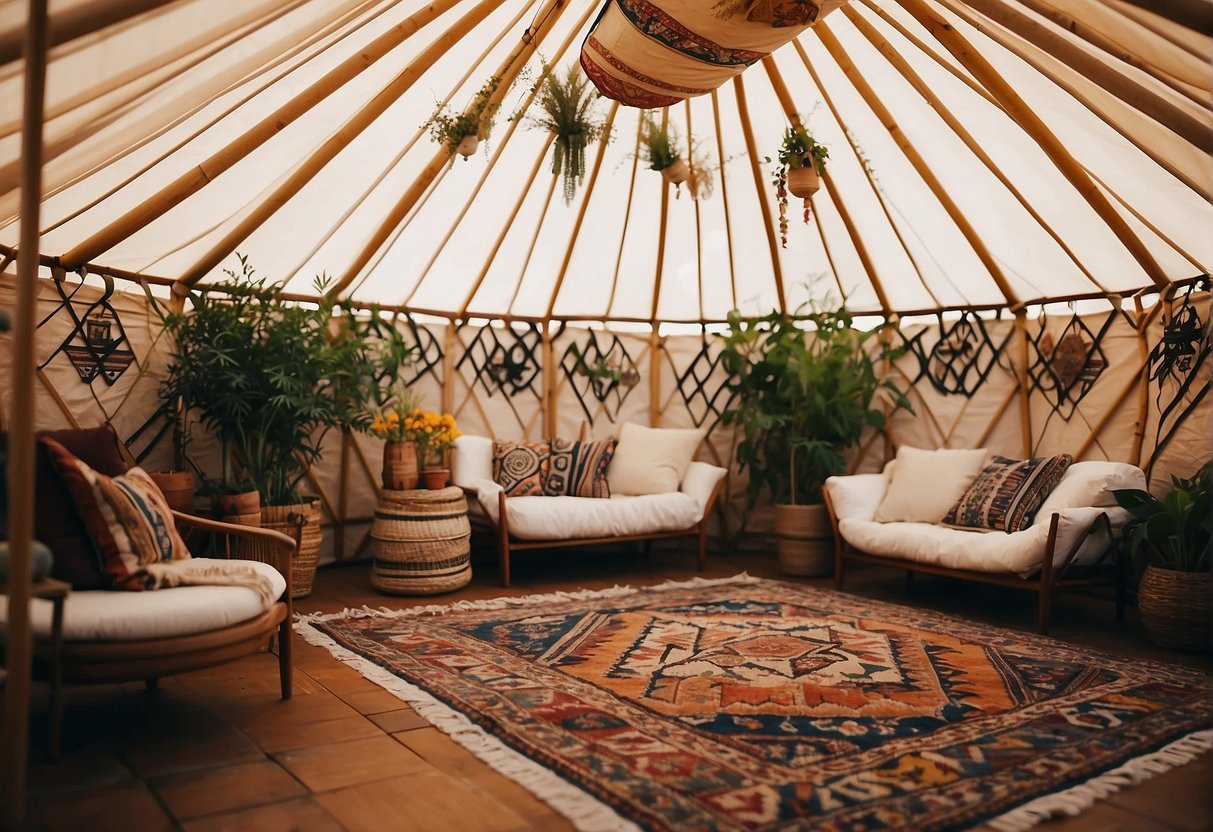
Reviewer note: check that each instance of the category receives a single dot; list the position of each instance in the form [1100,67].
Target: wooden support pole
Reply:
[1025,386]
[627,217]
[550,426]
[77,21]
[724,196]
[987,75]
[256,135]
[759,191]
[655,342]
[659,267]
[19,639]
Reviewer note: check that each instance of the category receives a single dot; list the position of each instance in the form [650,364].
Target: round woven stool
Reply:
[421,542]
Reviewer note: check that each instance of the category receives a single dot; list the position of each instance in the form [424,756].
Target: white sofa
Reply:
[548,522]
[1073,528]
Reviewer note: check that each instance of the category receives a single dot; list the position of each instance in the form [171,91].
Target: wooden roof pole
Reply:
[587,192]
[880,198]
[747,132]
[886,118]
[698,219]
[724,196]
[547,16]
[256,135]
[789,109]
[78,21]
[1190,41]
[985,73]
[659,268]
[505,230]
[1194,14]
[530,252]
[916,81]
[627,217]
[19,639]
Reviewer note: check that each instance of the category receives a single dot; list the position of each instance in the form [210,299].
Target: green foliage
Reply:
[797,150]
[448,127]
[801,399]
[660,144]
[269,377]
[1174,532]
[566,111]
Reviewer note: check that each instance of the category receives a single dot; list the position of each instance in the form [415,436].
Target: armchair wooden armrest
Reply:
[282,547]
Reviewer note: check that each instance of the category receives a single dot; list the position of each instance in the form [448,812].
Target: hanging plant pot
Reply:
[467,146]
[803,182]
[677,173]
[804,540]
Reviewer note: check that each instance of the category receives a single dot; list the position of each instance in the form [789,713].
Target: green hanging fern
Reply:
[660,144]
[566,110]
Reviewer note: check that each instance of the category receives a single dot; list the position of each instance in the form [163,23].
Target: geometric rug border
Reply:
[589,814]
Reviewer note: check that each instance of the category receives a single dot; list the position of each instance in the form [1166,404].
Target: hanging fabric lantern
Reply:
[653,53]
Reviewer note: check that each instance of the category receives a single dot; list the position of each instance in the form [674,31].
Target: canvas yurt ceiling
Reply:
[982,154]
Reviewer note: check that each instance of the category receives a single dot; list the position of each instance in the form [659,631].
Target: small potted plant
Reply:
[566,105]
[401,464]
[660,145]
[434,433]
[1171,537]
[800,161]
[462,132]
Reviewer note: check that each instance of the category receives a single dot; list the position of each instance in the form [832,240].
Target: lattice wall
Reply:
[1113,383]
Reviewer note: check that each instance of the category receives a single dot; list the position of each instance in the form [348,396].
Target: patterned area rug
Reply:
[756,705]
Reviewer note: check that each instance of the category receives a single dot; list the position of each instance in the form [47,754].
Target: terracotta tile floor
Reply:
[217,749]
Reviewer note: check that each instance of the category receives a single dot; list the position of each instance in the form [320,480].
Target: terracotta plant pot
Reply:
[467,146]
[436,478]
[400,467]
[804,540]
[243,509]
[677,173]
[803,182]
[177,487]
[1176,608]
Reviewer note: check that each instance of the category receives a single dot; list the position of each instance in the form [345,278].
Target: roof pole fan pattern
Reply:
[962,357]
[1177,365]
[601,372]
[654,53]
[97,345]
[1065,368]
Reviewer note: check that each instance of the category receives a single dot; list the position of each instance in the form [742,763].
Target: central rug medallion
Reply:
[759,705]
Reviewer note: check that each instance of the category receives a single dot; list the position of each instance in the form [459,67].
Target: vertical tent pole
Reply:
[19,646]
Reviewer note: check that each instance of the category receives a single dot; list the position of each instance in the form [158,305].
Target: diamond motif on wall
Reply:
[97,345]
[705,386]
[1175,364]
[604,373]
[503,359]
[427,352]
[1067,368]
[962,357]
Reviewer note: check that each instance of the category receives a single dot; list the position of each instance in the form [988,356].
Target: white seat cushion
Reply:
[111,615]
[560,518]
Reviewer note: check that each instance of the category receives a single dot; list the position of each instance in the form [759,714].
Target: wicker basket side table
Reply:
[421,542]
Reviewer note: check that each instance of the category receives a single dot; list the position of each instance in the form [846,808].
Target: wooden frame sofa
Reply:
[1067,543]
[535,522]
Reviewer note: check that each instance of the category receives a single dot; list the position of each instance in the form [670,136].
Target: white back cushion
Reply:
[926,484]
[651,460]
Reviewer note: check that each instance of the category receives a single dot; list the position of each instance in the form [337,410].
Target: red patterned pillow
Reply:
[521,468]
[578,469]
[1007,493]
[126,516]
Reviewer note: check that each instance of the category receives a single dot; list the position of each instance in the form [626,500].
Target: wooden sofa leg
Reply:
[702,557]
[1046,598]
[286,679]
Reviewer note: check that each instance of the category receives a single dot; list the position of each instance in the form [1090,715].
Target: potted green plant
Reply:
[462,131]
[800,400]
[660,146]
[566,105]
[1170,537]
[800,161]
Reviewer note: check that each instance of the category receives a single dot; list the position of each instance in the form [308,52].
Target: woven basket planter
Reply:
[303,567]
[421,542]
[1176,608]
[804,540]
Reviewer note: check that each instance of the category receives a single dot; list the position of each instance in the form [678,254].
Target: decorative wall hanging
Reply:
[97,345]
[653,54]
[962,357]
[704,386]
[1175,367]
[1067,368]
[427,351]
[602,374]
[504,360]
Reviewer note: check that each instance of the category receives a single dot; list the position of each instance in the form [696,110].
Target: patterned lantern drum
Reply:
[653,54]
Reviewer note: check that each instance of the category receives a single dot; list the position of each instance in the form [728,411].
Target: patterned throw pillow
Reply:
[1007,493]
[521,468]
[126,517]
[578,469]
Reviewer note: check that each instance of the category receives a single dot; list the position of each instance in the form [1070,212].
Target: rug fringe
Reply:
[1074,800]
[521,600]
[584,811]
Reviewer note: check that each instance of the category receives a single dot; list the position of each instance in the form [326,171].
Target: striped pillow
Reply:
[578,469]
[126,517]
[1007,494]
[521,468]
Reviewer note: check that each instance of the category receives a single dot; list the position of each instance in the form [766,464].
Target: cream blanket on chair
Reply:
[210,572]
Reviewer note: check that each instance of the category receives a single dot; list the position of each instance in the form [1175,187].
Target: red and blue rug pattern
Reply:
[760,705]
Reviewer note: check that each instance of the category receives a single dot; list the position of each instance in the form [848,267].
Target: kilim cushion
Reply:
[126,516]
[521,468]
[578,469]
[1007,493]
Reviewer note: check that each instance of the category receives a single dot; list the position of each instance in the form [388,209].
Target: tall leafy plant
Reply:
[1174,532]
[566,104]
[801,398]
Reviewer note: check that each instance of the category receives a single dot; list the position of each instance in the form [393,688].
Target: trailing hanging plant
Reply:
[660,147]
[566,104]
[797,151]
[702,180]
[450,128]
